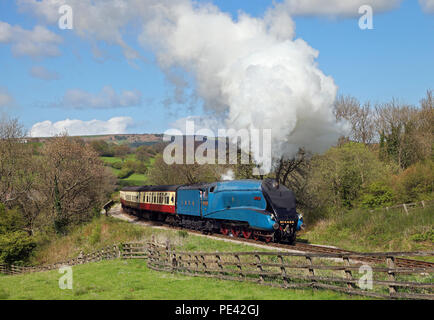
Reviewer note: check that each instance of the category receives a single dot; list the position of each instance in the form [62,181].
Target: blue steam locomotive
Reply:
[242,208]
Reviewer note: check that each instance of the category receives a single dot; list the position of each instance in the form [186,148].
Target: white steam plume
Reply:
[251,72]
[229,175]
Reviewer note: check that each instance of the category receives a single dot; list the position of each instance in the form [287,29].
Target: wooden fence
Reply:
[409,206]
[107,253]
[338,272]
[332,271]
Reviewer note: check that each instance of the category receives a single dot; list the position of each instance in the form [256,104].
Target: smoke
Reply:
[250,73]
[229,175]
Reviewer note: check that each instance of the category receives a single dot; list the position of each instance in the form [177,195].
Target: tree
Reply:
[102,148]
[406,131]
[15,244]
[73,181]
[361,118]
[142,153]
[338,177]
[18,172]
[121,151]
[163,174]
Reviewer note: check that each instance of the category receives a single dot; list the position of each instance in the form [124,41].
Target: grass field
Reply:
[131,279]
[135,179]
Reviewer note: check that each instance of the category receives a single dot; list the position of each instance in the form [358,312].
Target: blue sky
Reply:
[395,59]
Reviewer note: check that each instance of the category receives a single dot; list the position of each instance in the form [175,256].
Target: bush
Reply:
[338,178]
[15,244]
[415,183]
[136,166]
[378,194]
[125,173]
[16,247]
[117,165]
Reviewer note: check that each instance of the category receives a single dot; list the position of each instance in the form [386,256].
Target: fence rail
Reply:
[331,271]
[107,253]
[408,206]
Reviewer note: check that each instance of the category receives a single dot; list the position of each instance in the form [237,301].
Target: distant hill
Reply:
[134,140]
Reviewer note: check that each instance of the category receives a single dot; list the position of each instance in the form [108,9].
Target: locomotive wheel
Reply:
[224,231]
[255,237]
[247,234]
[235,232]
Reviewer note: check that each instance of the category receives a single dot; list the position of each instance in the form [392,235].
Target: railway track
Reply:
[300,246]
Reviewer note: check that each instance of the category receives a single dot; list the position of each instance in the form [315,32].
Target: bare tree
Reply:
[360,117]
[73,181]
[16,176]
[400,124]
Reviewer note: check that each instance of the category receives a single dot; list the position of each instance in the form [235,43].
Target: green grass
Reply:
[131,279]
[379,230]
[110,160]
[137,179]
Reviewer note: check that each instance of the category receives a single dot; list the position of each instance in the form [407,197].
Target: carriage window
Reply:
[212,189]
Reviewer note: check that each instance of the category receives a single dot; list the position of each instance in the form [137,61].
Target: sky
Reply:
[107,75]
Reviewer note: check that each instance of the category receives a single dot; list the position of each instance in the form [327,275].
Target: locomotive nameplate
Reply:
[287,222]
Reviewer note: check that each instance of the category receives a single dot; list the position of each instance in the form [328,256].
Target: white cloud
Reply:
[106,99]
[38,42]
[6,100]
[47,128]
[427,5]
[93,20]
[336,8]
[42,73]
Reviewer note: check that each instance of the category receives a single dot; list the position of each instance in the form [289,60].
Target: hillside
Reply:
[134,140]
[379,230]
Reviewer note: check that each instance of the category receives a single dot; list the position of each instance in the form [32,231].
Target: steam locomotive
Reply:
[260,210]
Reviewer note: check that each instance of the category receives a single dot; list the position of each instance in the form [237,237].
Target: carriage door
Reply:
[204,202]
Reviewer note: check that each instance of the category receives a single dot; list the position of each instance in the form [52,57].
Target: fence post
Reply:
[405,208]
[204,264]
[283,270]
[348,273]
[259,265]
[189,262]
[196,261]
[219,262]
[239,265]
[168,254]
[311,270]
[391,265]
[423,204]
[174,260]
